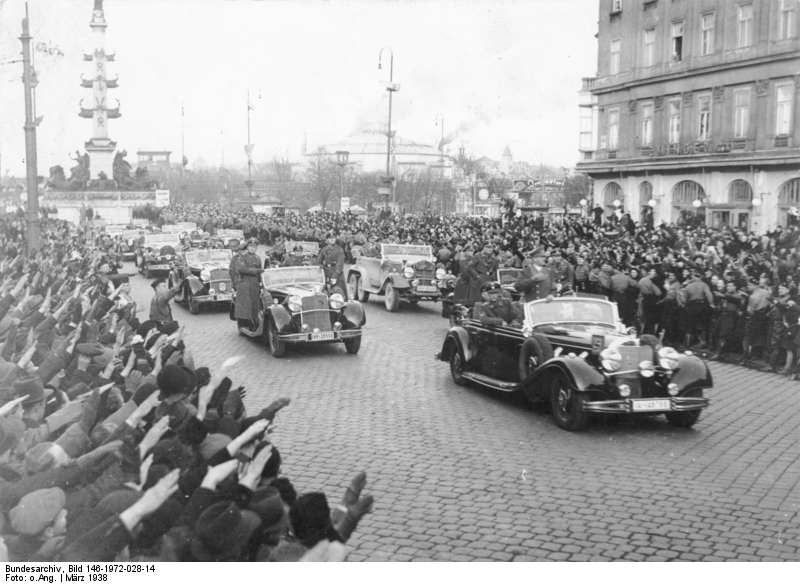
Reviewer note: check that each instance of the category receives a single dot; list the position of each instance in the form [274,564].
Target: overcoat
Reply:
[248,287]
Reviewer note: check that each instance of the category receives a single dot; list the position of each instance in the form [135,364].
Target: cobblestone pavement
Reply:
[469,474]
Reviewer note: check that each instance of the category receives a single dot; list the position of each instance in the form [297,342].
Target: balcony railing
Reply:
[588,83]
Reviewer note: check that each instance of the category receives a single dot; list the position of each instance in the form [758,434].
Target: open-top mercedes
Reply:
[204,277]
[157,254]
[296,307]
[575,353]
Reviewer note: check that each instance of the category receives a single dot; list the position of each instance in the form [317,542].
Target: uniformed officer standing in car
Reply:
[295,258]
[248,288]
[496,310]
[331,258]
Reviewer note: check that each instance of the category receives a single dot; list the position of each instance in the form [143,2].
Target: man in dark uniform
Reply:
[160,310]
[536,281]
[233,267]
[482,267]
[249,285]
[295,258]
[331,258]
[496,310]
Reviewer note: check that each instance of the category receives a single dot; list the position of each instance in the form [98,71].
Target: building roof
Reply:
[374,142]
[507,151]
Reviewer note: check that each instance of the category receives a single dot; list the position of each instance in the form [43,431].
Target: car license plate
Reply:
[651,405]
[427,289]
[223,296]
[321,336]
[159,267]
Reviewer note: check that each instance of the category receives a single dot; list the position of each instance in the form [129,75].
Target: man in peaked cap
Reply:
[536,281]
[331,258]
[496,310]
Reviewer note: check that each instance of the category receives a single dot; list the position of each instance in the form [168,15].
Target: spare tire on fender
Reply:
[534,351]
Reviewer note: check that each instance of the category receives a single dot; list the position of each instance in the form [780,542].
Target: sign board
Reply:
[113,230]
[140,222]
[179,228]
[161,239]
[384,191]
[483,194]
[162,198]
[230,234]
[345,203]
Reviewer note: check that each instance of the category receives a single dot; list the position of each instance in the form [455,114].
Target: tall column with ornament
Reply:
[100,148]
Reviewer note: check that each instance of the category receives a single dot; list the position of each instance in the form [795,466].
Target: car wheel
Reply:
[392,298]
[567,404]
[534,351]
[363,295]
[353,345]
[194,306]
[276,346]
[352,286]
[457,367]
[683,419]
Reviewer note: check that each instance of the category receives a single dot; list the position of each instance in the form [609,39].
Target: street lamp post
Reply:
[342,157]
[391,87]
[248,149]
[29,80]
[441,161]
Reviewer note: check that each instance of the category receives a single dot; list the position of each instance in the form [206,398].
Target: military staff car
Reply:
[158,254]
[204,277]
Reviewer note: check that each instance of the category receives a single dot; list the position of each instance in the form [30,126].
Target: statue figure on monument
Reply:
[122,171]
[101,183]
[80,172]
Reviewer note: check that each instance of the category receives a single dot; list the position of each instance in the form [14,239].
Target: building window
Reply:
[677,41]
[649,47]
[740,191]
[790,193]
[674,121]
[613,66]
[613,129]
[741,112]
[704,117]
[783,111]
[787,22]
[586,128]
[647,124]
[707,34]
[616,6]
[687,191]
[744,36]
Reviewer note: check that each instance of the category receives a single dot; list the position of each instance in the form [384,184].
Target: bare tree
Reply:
[323,177]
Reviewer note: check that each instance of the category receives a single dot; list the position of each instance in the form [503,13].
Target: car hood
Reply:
[579,333]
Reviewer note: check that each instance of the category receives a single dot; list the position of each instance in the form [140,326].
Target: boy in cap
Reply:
[160,310]
[40,522]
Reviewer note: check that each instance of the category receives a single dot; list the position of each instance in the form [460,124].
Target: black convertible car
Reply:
[575,353]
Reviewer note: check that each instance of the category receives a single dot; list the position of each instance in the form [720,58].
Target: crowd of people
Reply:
[725,291]
[116,445]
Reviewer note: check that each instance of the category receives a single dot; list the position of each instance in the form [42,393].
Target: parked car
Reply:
[157,254]
[575,353]
[402,273]
[227,235]
[204,277]
[295,307]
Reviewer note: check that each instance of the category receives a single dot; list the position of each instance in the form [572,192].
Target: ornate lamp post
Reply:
[248,148]
[391,87]
[342,157]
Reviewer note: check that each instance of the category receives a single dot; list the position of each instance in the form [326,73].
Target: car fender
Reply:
[266,298]
[279,315]
[397,280]
[353,311]
[691,373]
[457,337]
[195,284]
[582,376]
[361,271]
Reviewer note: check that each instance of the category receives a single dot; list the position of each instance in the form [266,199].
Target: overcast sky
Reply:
[499,71]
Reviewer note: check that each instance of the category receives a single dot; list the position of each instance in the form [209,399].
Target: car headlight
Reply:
[408,272]
[295,304]
[646,369]
[222,286]
[168,256]
[668,357]
[625,390]
[415,283]
[610,359]
[440,274]
[205,275]
[672,389]
[336,301]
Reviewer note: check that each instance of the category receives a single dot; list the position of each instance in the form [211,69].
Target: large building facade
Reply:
[694,110]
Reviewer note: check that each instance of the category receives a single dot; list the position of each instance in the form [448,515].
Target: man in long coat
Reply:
[248,287]
[536,281]
[331,258]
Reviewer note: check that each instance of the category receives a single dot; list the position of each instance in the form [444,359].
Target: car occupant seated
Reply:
[496,310]
[295,258]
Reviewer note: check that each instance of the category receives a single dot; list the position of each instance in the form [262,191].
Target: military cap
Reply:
[489,286]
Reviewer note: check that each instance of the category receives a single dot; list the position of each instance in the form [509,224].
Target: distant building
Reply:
[155,161]
[694,110]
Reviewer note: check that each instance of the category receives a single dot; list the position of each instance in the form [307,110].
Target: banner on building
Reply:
[345,203]
[162,198]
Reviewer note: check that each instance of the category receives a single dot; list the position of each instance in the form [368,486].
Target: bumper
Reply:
[226,297]
[625,406]
[337,336]
[158,267]
[417,294]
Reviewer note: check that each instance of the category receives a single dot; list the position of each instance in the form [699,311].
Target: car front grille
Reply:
[424,270]
[316,313]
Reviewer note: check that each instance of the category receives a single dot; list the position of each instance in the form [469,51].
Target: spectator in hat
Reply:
[39,521]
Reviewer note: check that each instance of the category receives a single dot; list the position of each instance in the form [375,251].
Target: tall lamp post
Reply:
[441,160]
[341,159]
[391,87]
[29,80]
[248,148]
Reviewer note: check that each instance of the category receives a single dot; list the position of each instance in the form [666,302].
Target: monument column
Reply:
[100,147]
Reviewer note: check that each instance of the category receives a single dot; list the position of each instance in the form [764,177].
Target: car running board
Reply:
[490,382]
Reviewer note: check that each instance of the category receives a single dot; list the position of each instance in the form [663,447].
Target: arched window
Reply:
[686,192]
[740,191]
[612,192]
[789,195]
[645,193]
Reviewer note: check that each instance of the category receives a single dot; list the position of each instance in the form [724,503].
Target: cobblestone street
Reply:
[469,474]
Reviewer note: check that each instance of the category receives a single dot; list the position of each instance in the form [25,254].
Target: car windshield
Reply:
[293,275]
[157,240]
[309,246]
[395,249]
[569,310]
[209,256]
[508,276]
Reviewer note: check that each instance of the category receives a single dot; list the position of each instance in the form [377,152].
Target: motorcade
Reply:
[204,277]
[156,256]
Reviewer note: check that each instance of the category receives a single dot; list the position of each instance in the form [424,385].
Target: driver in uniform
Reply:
[496,310]
[295,258]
